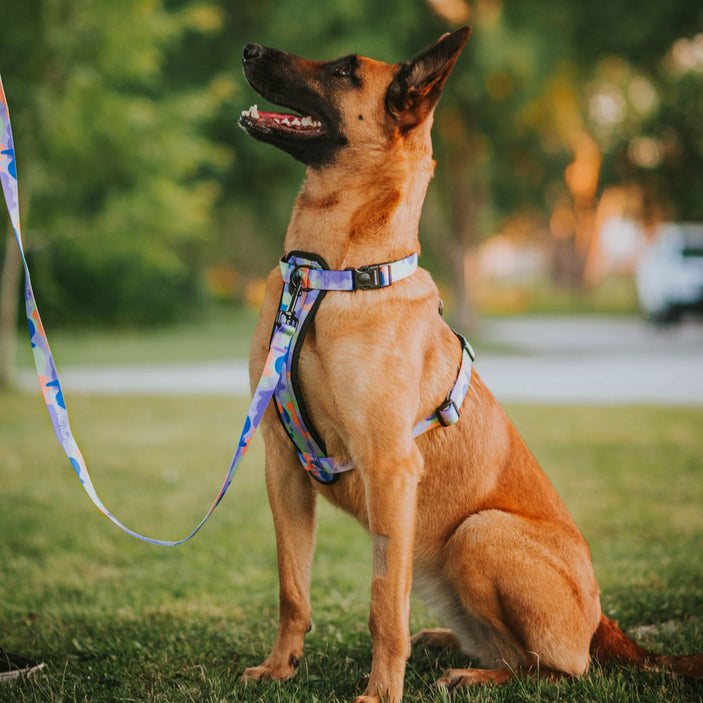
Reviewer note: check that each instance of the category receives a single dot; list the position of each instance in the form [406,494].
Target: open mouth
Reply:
[277,123]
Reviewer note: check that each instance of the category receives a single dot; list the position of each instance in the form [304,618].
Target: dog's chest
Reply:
[321,378]
[342,361]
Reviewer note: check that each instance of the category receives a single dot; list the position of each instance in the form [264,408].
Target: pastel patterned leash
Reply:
[292,310]
[48,377]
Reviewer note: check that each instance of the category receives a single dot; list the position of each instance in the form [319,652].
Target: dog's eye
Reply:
[342,68]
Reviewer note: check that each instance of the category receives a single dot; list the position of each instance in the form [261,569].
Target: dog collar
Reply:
[351,279]
[306,282]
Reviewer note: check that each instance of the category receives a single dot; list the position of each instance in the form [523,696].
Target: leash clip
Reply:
[295,287]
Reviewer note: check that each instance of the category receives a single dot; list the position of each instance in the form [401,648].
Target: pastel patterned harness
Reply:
[306,280]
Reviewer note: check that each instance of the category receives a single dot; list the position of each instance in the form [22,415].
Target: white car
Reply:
[669,275]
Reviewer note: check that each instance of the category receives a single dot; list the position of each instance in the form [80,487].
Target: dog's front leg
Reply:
[391,492]
[292,500]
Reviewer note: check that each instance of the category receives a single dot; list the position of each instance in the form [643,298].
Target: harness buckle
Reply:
[367,277]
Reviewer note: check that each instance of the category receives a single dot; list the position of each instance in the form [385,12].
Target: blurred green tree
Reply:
[113,168]
[129,154]
[560,101]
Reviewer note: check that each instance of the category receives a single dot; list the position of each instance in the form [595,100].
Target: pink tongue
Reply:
[278,116]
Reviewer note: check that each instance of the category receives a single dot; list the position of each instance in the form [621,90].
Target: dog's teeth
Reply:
[306,121]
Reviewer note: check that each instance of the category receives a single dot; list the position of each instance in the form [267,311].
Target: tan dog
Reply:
[464,513]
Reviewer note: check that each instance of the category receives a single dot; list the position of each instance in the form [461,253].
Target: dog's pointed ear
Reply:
[418,83]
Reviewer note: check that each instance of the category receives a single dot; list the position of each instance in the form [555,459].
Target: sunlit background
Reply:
[567,133]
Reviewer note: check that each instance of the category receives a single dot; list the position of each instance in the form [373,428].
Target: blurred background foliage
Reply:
[142,200]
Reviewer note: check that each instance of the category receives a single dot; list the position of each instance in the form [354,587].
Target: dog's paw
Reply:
[387,697]
[267,673]
[450,679]
[456,678]
[276,667]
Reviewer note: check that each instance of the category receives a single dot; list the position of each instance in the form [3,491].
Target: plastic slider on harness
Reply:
[447,413]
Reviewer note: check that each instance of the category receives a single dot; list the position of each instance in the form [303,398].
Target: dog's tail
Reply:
[610,645]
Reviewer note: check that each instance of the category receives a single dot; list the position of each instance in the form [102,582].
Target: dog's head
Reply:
[349,102]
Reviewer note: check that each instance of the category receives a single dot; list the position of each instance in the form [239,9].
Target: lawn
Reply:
[118,620]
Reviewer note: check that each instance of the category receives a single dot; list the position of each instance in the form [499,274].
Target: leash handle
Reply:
[48,376]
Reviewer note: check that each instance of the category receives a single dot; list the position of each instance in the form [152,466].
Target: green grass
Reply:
[118,620]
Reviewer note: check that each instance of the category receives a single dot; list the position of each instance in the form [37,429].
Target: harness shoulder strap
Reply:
[299,302]
[449,411]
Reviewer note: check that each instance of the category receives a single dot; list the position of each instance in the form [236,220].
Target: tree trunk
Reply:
[9,298]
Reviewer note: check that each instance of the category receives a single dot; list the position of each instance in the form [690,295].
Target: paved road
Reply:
[595,360]
[550,360]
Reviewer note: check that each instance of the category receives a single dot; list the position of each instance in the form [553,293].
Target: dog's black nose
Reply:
[251,52]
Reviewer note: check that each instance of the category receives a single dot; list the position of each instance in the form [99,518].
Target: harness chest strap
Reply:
[306,280]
